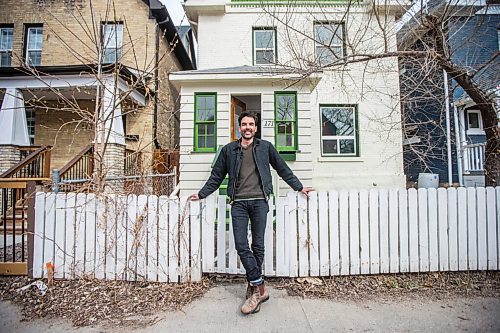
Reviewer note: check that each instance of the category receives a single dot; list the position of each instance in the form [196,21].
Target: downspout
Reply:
[459,146]
[448,127]
[155,111]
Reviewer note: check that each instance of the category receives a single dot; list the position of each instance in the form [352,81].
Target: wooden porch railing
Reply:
[36,165]
[133,162]
[474,157]
[80,167]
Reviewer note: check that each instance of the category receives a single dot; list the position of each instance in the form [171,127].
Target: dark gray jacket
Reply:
[229,162]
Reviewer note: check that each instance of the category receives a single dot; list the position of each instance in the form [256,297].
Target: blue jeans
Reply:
[241,212]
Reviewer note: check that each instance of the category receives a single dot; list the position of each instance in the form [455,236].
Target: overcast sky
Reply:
[176,11]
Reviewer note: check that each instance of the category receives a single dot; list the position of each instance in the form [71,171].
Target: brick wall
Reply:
[68,39]
[10,157]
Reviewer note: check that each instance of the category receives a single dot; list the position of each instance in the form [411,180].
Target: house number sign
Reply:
[268,123]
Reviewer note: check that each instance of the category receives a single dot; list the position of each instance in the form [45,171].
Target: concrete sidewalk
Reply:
[218,311]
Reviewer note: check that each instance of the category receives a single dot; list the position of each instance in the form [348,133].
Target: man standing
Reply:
[250,184]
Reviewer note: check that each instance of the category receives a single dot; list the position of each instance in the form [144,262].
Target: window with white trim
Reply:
[6,34]
[264,46]
[329,42]
[34,40]
[112,42]
[30,121]
[474,122]
[339,135]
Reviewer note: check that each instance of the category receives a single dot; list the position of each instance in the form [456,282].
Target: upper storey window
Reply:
[264,45]
[329,40]
[112,42]
[6,34]
[34,40]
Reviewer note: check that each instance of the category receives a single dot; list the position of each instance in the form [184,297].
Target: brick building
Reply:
[76,73]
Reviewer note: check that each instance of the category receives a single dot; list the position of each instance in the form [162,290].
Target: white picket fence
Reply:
[331,233]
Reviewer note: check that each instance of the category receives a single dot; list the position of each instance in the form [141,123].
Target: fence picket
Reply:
[184,227]
[384,230]
[60,230]
[423,231]
[100,237]
[452,229]
[472,228]
[374,236]
[121,237]
[393,231]
[354,267]
[482,246]
[141,234]
[69,260]
[269,241]
[111,223]
[207,229]
[313,234]
[221,234]
[152,237]
[413,229]
[404,261]
[39,235]
[491,228]
[81,200]
[462,228]
[324,263]
[344,232]
[281,255]
[173,243]
[90,222]
[498,225]
[433,230]
[333,225]
[131,263]
[49,232]
[163,238]
[443,228]
[195,241]
[303,235]
[291,234]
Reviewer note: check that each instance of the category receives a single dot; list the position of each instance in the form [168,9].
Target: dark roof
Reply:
[158,11]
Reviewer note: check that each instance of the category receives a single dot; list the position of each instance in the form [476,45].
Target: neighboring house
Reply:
[333,131]
[52,79]
[473,39]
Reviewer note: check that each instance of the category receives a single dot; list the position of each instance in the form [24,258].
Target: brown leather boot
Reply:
[264,294]
[252,304]
[249,291]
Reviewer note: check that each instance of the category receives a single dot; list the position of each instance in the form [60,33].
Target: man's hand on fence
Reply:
[193,197]
[306,190]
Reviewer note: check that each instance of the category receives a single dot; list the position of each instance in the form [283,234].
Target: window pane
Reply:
[325,55]
[264,57]
[201,129]
[201,142]
[285,107]
[264,39]
[5,59]
[35,38]
[328,33]
[285,134]
[205,108]
[329,146]
[346,146]
[6,38]
[34,58]
[340,121]
[210,141]
[473,120]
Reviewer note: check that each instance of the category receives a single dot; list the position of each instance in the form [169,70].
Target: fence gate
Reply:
[15,226]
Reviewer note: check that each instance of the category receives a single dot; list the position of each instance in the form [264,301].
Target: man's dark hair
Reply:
[247,114]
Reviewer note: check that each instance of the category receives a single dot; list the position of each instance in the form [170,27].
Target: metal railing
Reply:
[473,157]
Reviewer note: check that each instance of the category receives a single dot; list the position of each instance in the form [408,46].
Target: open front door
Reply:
[237,108]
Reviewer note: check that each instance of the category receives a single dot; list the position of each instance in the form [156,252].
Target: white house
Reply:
[337,128]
